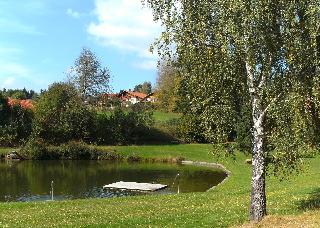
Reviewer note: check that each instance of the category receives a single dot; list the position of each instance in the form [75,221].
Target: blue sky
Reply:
[40,40]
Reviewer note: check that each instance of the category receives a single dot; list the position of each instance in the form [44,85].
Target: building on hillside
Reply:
[131,97]
[150,98]
[125,98]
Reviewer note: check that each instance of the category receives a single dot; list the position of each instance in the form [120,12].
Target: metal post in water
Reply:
[52,190]
[177,176]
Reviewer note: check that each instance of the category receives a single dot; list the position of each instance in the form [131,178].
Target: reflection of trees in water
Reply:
[80,178]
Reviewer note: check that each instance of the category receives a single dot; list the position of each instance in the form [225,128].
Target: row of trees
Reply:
[61,116]
[62,113]
[145,88]
[15,123]
[21,94]
[236,58]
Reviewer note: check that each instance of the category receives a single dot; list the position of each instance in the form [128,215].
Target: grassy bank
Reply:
[160,116]
[224,206]
[4,150]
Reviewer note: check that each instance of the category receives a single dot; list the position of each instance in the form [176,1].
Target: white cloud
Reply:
[73,13]
[11,68]
[16,26]
[125,25]
[146,65]
[9,82]
[16,75]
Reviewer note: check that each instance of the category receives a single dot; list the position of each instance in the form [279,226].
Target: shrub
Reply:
[4,110]
[122,127]
[61,116]
[76,151]
[15,123]
[8,135]
[109,156]
[37,149]
[190,129]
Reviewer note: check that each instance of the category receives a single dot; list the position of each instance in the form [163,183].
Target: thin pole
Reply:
[177,177]
[52,190]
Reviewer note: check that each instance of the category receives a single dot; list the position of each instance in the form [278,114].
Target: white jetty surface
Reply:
[135,186]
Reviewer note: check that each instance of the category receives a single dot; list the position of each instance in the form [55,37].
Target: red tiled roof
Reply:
[137,94]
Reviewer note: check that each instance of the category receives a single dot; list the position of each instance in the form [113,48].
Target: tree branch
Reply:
[262,115]
[250,81]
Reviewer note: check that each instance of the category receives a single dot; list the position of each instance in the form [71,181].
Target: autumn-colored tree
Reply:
[167,87]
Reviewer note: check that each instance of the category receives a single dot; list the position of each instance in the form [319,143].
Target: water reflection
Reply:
[31,180]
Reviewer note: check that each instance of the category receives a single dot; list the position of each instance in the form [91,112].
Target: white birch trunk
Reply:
[258,194]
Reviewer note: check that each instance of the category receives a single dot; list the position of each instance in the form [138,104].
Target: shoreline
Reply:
[213,165]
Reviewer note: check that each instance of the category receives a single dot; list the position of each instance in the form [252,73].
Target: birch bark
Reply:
[258,195]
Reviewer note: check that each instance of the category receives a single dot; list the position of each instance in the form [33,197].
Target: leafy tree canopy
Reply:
[60,115]
[167,86]
[88,76]
[231,52]
[145,87]
[20,93]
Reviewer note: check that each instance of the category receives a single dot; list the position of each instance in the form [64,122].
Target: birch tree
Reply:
[88,76]
[266,50]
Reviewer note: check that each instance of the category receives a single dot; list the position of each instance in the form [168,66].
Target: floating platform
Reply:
[134,186]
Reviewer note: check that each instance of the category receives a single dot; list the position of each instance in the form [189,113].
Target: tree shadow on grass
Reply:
[312,203]
[155,136]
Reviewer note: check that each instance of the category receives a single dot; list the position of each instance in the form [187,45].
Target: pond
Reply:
[31,180]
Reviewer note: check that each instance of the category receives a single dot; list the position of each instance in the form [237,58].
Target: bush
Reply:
[8,136]
[4,110]
[37,149]
[190,130]
[76,151]
[15,123]
[22,122]
[122,127]
[61,116]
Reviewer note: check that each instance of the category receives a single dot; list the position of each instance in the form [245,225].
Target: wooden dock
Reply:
[134,186]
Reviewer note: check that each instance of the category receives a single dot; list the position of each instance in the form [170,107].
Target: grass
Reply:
[196,152]
[307,219]
[160,116]
[226,205]
[5,150]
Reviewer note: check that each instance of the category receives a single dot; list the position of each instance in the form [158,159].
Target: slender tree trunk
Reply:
[258,207]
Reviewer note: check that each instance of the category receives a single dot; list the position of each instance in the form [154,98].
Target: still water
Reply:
[31,180]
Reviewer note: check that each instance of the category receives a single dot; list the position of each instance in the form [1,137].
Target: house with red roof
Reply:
[132,97]
[128,97]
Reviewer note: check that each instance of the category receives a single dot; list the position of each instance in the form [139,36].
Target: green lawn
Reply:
[160,116]
[5,150]
[223,206]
